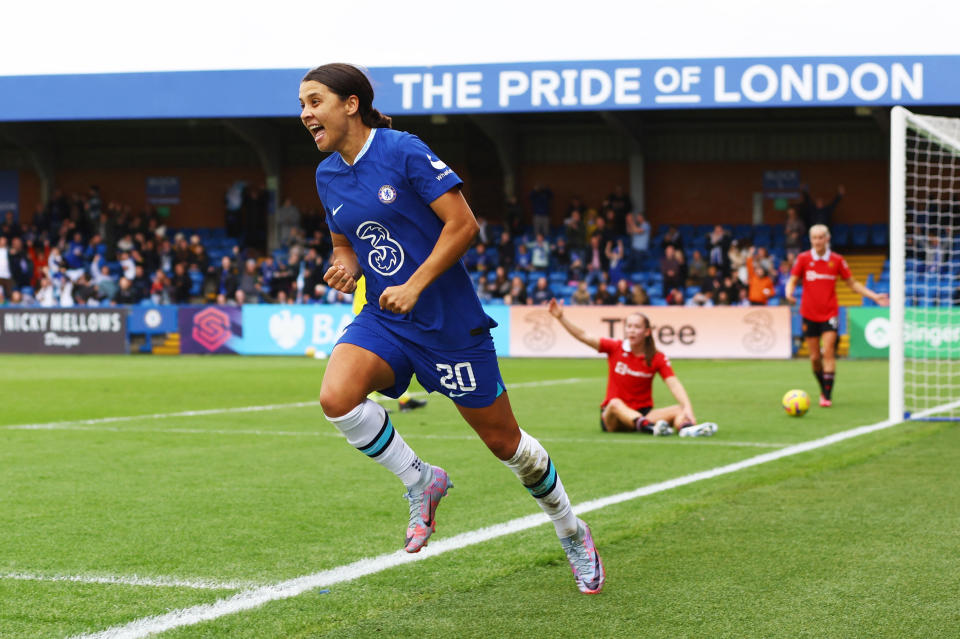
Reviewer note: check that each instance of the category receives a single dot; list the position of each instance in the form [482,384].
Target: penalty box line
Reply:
[132,580]
[257,597]
[250,409]
[606,440]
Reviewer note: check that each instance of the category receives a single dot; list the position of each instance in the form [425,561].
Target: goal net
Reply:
[924,266]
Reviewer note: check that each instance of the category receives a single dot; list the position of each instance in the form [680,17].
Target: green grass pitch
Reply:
[855,539]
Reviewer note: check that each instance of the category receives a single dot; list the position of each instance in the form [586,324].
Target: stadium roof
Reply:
[107,59]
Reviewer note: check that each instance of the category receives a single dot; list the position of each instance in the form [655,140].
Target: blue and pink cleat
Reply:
[584,560]
[423,508]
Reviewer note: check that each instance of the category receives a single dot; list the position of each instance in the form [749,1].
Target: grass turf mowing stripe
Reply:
[132,580]
[250,409]
[606,439]
[254,598]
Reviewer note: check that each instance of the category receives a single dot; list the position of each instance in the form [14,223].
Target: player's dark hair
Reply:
[649,347]
[346,80]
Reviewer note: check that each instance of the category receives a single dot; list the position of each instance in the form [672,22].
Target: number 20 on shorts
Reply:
[458,377]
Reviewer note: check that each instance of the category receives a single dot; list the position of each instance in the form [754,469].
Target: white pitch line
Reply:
[254,598]
[95,424]
[132,580]
[605,440]
[248,409]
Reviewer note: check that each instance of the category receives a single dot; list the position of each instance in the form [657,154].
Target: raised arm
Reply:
[790,288]
[882,299]
[556,309]
[459,229]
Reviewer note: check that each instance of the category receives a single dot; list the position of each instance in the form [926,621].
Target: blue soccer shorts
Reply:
[469,376]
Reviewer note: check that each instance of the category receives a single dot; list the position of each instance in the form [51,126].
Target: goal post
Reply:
[924,328]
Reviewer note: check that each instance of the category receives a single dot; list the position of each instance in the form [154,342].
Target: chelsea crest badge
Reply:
[387,194]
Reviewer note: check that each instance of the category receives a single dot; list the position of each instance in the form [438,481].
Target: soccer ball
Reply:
[315,353]
[796,402]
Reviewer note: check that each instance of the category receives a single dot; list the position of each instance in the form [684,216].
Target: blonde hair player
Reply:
[819,269]
[633,363]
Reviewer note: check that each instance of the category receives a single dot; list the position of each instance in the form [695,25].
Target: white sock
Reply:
[368,428]
[535,470]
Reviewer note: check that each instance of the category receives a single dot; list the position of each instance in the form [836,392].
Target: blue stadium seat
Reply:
[763,235]
[879,234]
[860,235]
[840,235]
[743,232]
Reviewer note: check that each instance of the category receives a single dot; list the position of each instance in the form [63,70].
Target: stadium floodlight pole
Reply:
[898,225]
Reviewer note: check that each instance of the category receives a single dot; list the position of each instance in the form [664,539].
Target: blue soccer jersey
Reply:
[381,204]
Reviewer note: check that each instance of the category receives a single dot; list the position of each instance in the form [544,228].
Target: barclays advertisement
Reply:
[270,329]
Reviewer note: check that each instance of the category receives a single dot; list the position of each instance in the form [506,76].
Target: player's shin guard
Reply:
[534,468]
[368,428]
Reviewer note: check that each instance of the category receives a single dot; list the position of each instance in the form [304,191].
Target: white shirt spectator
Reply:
[47,296]
[4,263]
[639,230]
[129,267]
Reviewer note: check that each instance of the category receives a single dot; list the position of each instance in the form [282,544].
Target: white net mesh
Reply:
[932,267]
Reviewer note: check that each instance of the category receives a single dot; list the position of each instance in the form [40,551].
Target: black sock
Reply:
[827,384]
[642,425]
[819,376]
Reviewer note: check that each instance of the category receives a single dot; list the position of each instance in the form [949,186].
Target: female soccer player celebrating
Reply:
[819,269]
[397,217]
[633,363]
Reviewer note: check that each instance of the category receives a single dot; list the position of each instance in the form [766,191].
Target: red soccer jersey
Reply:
[818,276]
[630,378]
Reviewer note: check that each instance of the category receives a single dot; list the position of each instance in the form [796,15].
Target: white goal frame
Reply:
[900,121]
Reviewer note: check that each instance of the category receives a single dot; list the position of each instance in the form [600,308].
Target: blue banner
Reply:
[503,88]
[144,320]
[501,334]
[273,329]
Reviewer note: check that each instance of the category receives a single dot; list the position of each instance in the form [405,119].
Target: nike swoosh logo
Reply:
[337,209]
[439,164]
[455,394]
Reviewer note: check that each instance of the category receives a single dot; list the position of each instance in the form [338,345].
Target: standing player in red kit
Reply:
[819,269]
[633,363]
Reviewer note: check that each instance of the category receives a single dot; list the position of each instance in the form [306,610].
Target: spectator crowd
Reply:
[82,250]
